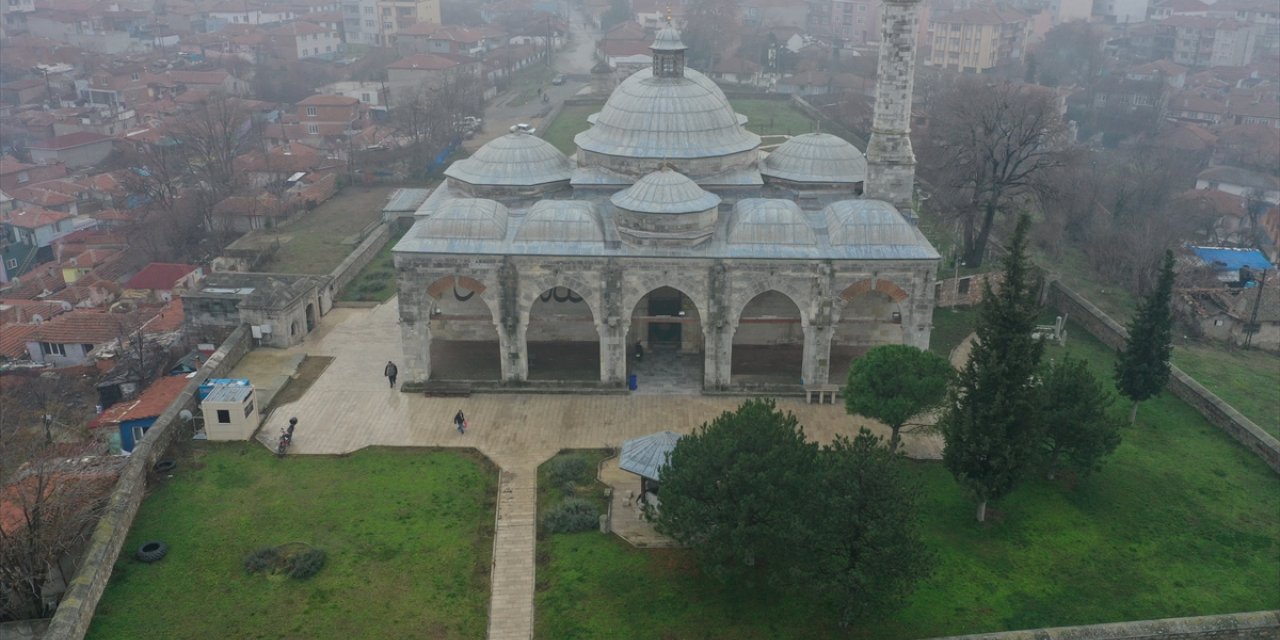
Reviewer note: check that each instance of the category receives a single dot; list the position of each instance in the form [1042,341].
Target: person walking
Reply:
[460,421]
[390,372]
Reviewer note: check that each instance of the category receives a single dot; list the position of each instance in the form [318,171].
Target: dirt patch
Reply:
[308,372]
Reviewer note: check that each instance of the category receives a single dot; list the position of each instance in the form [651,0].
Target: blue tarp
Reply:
[1228,259]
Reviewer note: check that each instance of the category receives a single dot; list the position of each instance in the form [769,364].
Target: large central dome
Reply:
[682,117]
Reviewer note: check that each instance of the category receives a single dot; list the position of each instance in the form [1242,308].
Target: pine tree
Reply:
[990,426]
[1079,430]
[1142,369]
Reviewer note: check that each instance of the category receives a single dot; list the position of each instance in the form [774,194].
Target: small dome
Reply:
[667,39]
[769,221]
[816,157]
[561,221]
[468,218]
[869,222]
[667,118]
[516,159]
[665,191]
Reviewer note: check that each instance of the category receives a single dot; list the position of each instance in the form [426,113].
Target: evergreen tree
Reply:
[894,383]
[1074,410]
[990,424]
[1142,369]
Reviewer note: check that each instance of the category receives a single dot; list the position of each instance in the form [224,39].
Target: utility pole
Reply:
[1253,327]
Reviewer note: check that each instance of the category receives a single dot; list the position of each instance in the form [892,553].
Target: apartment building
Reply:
[978,39]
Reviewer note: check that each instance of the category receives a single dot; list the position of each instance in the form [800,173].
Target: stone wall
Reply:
[71,620]
[1213,408]
[1258,625]
[360,257]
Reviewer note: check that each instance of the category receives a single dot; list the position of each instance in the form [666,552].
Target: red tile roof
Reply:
[169,319]
[149,404]
[85,327]
[13,339]
[159,275]
[325,100]
[19,311]
[428,62]
[41,197]
[35,217]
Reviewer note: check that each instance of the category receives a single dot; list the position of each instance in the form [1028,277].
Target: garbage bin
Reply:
[631,382]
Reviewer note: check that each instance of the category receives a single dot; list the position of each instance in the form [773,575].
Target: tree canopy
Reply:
[1079,430]
[990,423]
[1142,368]
[894,383]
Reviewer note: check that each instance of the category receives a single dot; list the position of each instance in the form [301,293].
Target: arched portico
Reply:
[768,341]
[868,313]
[561,335]
[455,332]
[666,327]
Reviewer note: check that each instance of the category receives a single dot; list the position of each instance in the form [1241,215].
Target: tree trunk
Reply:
[894,439]
[979,248]
[982,511]
[1133,414]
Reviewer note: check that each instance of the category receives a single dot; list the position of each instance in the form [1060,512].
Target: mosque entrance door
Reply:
[669,303]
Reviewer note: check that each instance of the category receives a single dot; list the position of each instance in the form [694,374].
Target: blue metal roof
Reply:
[1228,259]
[646,455]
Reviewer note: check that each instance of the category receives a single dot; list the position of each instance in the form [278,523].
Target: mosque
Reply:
[670,247]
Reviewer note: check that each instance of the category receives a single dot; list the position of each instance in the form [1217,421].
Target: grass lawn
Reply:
[1247,379]
[318,241]
[950,327]
[1182,521]
[408,533]
[527,81]
[764,117]
[376,282]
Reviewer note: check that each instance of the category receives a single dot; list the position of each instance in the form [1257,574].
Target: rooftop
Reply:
[149,404]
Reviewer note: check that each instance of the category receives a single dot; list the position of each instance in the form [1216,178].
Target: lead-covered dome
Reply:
[561,221]
[869,222]
[665,192]
[816,158]
[518,159]
[667,118]
[769,221]
[467,219]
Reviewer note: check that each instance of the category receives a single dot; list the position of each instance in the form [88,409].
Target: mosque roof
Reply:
[516,159]
[816,157]
[561,221]
[870,223]
[468,218]
[682,117]
[665,191]
[769,221]
[668,39]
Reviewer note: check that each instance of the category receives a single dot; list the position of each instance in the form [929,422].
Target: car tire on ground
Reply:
[165,466]
[152,550]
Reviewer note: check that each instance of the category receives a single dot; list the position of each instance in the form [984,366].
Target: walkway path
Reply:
[350,406]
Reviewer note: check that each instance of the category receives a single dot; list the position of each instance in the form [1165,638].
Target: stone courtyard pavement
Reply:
[351,407]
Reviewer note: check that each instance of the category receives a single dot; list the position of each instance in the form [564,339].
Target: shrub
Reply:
[263,559]
[571,516]
[569,489]
[306,564]
[564,469]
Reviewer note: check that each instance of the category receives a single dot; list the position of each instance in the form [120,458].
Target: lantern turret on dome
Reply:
[668,51]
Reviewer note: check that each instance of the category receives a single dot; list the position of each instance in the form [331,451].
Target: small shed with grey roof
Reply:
[645,456]
[280,308]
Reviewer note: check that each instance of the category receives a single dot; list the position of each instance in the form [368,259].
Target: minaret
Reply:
[891,164]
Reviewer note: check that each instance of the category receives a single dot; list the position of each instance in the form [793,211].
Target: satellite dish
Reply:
[185,414]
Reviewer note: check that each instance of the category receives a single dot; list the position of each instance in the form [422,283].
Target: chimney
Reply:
[891,164]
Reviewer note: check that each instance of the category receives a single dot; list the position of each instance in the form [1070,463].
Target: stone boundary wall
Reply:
[1213,408]
[359,257]
[1257,625]
[71,620]
[24,629]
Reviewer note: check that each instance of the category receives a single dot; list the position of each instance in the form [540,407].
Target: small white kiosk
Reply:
[230,412]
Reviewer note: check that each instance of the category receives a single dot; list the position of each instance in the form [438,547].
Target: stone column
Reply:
[817,355]
[717,364]
[891,164]
[613,351]
[415,335]
[918,323]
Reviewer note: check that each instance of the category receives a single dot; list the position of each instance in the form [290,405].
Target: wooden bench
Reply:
[822,392]
[447,390]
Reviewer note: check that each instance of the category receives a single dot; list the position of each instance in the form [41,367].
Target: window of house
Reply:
[313,129]
[370,24]
[23,177]
[224,416]
[12,263]
[86,347]
[328,48]
[248,408]
[386,25]
[368,10]
[311,111]
[53,349]
[138,434]
[364,97]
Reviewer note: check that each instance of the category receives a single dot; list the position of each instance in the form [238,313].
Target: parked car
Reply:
[558,80]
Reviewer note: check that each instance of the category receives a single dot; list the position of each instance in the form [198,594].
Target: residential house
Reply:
[737,71]
[74,150]
[14,174]
[280,308]
[283,163]
[161,280]
[1201,41]
[1264,15]
[775,13]
[54,195]
[1161,9]
[1122,12]
[319,121]
[652,14]
[82,263]
[371,94]
[429,37]
[978,39]
[1251,185]
[234,12]
[408,76]
[30,311]
[23,91]
[301,40]
[73,338]
[380,22]
[132,418]
[37,227]
[1241,316]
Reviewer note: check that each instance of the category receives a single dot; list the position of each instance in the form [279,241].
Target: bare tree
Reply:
[1072,54]
[991,143]
[214,132]
[710,28]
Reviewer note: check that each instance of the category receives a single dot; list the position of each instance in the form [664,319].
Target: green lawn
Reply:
[317,241]
[1182,521]
[526,82]
[1247,379]
[764,117]
[376,282]
[950,327]
[408,533]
